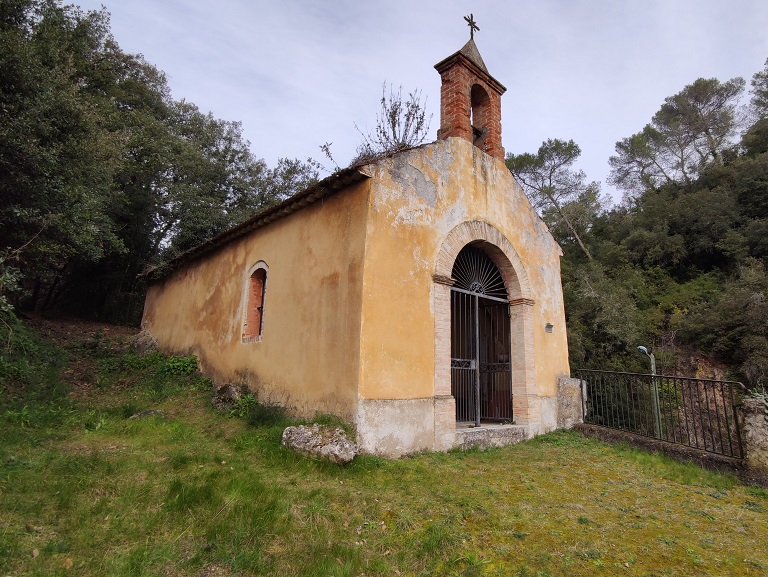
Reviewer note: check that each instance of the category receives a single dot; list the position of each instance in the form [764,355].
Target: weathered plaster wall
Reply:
[417,199]
[308,357]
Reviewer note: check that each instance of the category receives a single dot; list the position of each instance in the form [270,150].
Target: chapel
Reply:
[416,296]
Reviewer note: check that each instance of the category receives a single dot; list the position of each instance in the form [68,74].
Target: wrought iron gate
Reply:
[481,375]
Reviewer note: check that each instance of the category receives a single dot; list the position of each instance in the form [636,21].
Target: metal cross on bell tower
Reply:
[472,26]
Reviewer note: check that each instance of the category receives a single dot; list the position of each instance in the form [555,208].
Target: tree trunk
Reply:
[570,226]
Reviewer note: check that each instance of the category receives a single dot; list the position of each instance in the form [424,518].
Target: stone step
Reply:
[485,436]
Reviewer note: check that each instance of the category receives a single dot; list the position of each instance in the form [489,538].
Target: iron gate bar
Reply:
[697,413]
[482,389]
[476,300]
[486,297]
[474,271]
[463,363]
[482,384]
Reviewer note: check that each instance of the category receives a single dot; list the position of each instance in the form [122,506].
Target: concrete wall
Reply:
[307,358]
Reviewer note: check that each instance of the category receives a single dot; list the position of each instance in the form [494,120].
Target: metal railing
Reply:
[697,413]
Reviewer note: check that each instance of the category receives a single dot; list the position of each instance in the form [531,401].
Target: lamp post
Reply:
[655,391]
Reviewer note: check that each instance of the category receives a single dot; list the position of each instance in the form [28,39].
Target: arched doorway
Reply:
[481,369]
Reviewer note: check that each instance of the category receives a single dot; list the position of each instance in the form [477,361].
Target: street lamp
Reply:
[655,389]
[650,356]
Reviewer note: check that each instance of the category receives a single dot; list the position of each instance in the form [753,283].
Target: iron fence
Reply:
[697,413]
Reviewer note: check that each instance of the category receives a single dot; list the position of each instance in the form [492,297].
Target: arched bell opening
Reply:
[480,114]
[481,348]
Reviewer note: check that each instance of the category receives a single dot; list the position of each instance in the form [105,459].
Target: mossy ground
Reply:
[84,490]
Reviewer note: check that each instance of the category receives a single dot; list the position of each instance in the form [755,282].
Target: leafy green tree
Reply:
[755,139]
[602,316]
[691,130]
[759,91]
[102,172]
[55,156]
[560,194]
[734,325]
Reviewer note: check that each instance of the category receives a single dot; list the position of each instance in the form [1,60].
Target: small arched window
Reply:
[256,290]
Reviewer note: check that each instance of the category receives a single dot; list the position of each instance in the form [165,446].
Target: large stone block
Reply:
[569,402]
[755,434]
[323,442]
[492,436]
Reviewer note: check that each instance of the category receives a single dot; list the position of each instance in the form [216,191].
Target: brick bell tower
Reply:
[470,99]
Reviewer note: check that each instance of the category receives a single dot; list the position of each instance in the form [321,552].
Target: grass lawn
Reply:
[85,490]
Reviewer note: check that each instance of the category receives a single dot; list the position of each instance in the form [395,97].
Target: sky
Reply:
[301,73]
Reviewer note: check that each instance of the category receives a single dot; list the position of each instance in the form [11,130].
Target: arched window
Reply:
[256,290]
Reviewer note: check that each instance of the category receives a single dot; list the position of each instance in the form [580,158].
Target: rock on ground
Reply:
[324,442]
[226,396]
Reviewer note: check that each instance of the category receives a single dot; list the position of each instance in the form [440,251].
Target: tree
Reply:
[755,139]
[552,185]
[102,172]
[759,91]
[401,124]
[690,131]
[602,316]
[56,156]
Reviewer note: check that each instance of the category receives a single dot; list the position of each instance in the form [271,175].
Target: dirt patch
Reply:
[78,336]
[70,332]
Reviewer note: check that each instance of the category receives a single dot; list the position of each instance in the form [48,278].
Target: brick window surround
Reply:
[255,297]
[502,253]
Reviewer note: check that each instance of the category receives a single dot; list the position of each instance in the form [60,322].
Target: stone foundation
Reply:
[397,427]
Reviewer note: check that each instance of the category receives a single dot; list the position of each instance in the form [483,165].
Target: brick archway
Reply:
[495,245]
[505,257]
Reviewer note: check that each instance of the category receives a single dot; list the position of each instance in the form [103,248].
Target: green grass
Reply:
[84,490]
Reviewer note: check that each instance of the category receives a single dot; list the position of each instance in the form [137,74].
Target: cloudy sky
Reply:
[299,73]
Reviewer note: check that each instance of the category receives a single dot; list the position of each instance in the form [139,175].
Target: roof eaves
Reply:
[326,187]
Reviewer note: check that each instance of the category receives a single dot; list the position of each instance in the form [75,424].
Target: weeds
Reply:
[158,376]
[178,366]
[259,414]
[85,491]
[26,361]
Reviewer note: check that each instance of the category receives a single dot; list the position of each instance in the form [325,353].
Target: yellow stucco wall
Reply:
[309,353]
[417,198]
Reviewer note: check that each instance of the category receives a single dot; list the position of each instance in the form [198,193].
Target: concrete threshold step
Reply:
[489,435]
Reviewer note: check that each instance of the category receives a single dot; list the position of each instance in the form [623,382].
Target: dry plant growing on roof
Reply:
[402,123]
